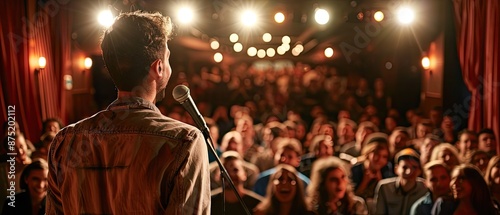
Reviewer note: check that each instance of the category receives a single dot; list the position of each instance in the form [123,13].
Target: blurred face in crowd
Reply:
[447,124]
[336,184]
[426,149]
[480,160]
[408,169]
[422,130]
[461,188]
[467,142]
[325,148]
[235,170]
[290,157]
[495,174]
[438,181]
[285,186]
[378,159]
[449,158]
[487,142]
[37,183]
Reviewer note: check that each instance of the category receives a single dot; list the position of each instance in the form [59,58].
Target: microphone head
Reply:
[180,93]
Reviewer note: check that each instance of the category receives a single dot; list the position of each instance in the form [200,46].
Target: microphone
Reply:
[181,95]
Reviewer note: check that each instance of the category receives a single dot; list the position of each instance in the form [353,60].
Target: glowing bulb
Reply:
[321,16]
[328,52]
[214,44]
[238,47]
[42,62]
[279,17]
[218,57]
[87,63]
[426,63]
[406,15]
[234,37]
[105,18]
[267,37]
[378,16]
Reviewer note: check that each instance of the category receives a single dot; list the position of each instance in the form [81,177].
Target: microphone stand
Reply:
[223,172]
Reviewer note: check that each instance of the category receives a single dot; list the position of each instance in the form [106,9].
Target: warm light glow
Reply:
[286,46]
[321,16]
[279,17]
[295,52]
[328,52]
[87,63]
[405,15]
[261,53]
[185,15]
[270,52]
[249,18]
[214,44]
[285,40]
[252,51]
[234,37]
[218,57]
[426,63]
[299,48]
[238,47]
[42,62]
[281,50]
[388,65]
[267,37]
[378,16]
[105,18]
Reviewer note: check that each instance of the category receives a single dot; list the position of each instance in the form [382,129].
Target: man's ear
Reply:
[156,68]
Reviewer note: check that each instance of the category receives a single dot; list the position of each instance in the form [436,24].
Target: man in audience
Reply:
[487,141]
[396,195]
[430,141]
[364,129]
[467,142]
[345,134]
[289,152]
[437,179]
[233,164]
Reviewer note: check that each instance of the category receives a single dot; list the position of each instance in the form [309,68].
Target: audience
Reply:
[437,179]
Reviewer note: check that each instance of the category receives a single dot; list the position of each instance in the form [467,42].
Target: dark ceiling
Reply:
[350,38]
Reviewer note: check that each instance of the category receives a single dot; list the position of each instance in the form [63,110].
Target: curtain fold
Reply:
[30,30]
[478,47]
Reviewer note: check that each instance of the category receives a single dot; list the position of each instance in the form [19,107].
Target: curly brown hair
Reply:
[132,44]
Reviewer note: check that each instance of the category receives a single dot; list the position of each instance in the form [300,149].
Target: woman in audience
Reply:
[492,178]
[34,184]
[371,168]
[285,194]
[330,191]
[479,159]
[447,153]
[470,194]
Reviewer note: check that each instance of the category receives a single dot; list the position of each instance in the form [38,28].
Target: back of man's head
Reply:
[132,44]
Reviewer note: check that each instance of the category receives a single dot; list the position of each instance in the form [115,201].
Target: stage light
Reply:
[279,17]
[270,52]
[234,37]
[281,50]
[261,53]
[105,18]
[87,63]
[248,18]
[426,63]
[328,52]
[405,15]
[285,40]
[185,15]
[267,37]
[252,51]
[286,46]
[214,44]
[321,16]
[378,16]
[218,57]
[299,48]
[42,62]
[238,47]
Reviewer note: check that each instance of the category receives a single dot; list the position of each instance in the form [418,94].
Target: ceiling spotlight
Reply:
[321,16]
[328,52]
[267,37]
[378,16]
[279,17]
[270,52]
[405,15]
[218,57]
[252,51]
[234,37]
[249,18]
[285,40]
[214,44]
[238,47]
[105,18]
[185,15]
[261,53]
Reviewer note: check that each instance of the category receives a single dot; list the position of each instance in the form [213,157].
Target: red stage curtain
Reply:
[28,31]
[478,49]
